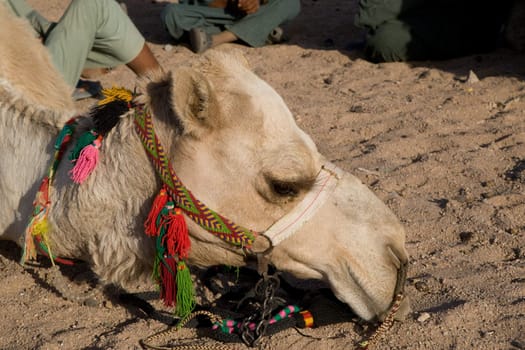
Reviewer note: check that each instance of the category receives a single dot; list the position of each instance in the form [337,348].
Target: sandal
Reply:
[200,41]
[276,36]
[87,89]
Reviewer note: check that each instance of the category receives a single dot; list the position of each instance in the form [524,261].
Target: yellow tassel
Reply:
[41,229]
[115,93]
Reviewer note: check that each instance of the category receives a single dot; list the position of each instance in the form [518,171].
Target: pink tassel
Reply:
[177,237]
[86,162]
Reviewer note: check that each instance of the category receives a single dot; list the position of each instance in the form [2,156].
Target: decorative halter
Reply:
[289,224]
[175,194]
[206,218]
[165,221]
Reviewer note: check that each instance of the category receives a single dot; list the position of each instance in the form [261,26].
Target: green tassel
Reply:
[159,256]
[155,275]
[185,292]
[84,140]
[67,130]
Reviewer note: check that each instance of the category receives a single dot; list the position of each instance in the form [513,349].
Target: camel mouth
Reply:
[326,308]
[366,303]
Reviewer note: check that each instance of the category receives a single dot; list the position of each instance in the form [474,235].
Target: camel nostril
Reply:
[398,255]
[395,259]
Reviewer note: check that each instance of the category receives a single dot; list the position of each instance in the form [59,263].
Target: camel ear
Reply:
[183,99]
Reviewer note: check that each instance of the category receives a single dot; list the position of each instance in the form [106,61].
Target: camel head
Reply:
[234,143]
[236,146]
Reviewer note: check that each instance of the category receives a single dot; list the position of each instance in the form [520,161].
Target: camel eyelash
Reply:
[284,188]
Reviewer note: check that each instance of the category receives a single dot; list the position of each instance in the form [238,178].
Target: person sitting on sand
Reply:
[209,23]
[91,34]
[406,30]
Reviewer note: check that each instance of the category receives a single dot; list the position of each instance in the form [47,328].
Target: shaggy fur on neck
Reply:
[28,79]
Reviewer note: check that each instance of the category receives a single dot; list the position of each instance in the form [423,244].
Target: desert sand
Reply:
[444,152]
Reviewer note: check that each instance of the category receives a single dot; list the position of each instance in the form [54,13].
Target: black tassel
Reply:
[106,116]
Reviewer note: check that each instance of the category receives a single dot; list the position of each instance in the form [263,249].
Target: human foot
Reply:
[87,89]
[276,36]
[200,41]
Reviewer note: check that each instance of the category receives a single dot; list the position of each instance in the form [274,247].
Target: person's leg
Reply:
[438,32]
[254,29]
[140,65]
[143,62]
[203,24]
[96,33]
[181,18]
[389,42]
[200,40]
[39,23]
[372,13]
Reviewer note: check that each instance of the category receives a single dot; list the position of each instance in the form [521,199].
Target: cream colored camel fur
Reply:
[233,142]
[26,70]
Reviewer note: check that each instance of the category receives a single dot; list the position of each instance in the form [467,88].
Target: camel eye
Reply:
[284,189]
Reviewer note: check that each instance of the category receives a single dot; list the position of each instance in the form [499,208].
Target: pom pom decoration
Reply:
[83,141]
[177,239]
[185,291]
[150,226]
[105,116]
[37,230]
[86,162]
[166,222]
[168,283]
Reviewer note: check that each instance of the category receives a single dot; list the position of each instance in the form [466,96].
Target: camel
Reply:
[232,140]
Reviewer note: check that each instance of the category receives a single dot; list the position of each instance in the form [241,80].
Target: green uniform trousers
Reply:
[90,34]
[252,29]
[403,30]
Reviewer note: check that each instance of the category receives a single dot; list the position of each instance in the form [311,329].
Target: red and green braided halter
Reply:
[206,218]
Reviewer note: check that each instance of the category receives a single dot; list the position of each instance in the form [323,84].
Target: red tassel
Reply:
[159,202]
[86,162]
[177,240]
[168,286]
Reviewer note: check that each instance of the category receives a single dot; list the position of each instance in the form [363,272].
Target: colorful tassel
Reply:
[37,230]
[168,285]
[41,228]
[177,239]
[105,116]
[84,140]
[86,162]
[150,226]
[65,134]
[40,231]
[29,248]
[167,223]
[155,275]
[185,291]
[115,94]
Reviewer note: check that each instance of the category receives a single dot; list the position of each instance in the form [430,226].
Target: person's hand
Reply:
[248,6]
[218,3]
